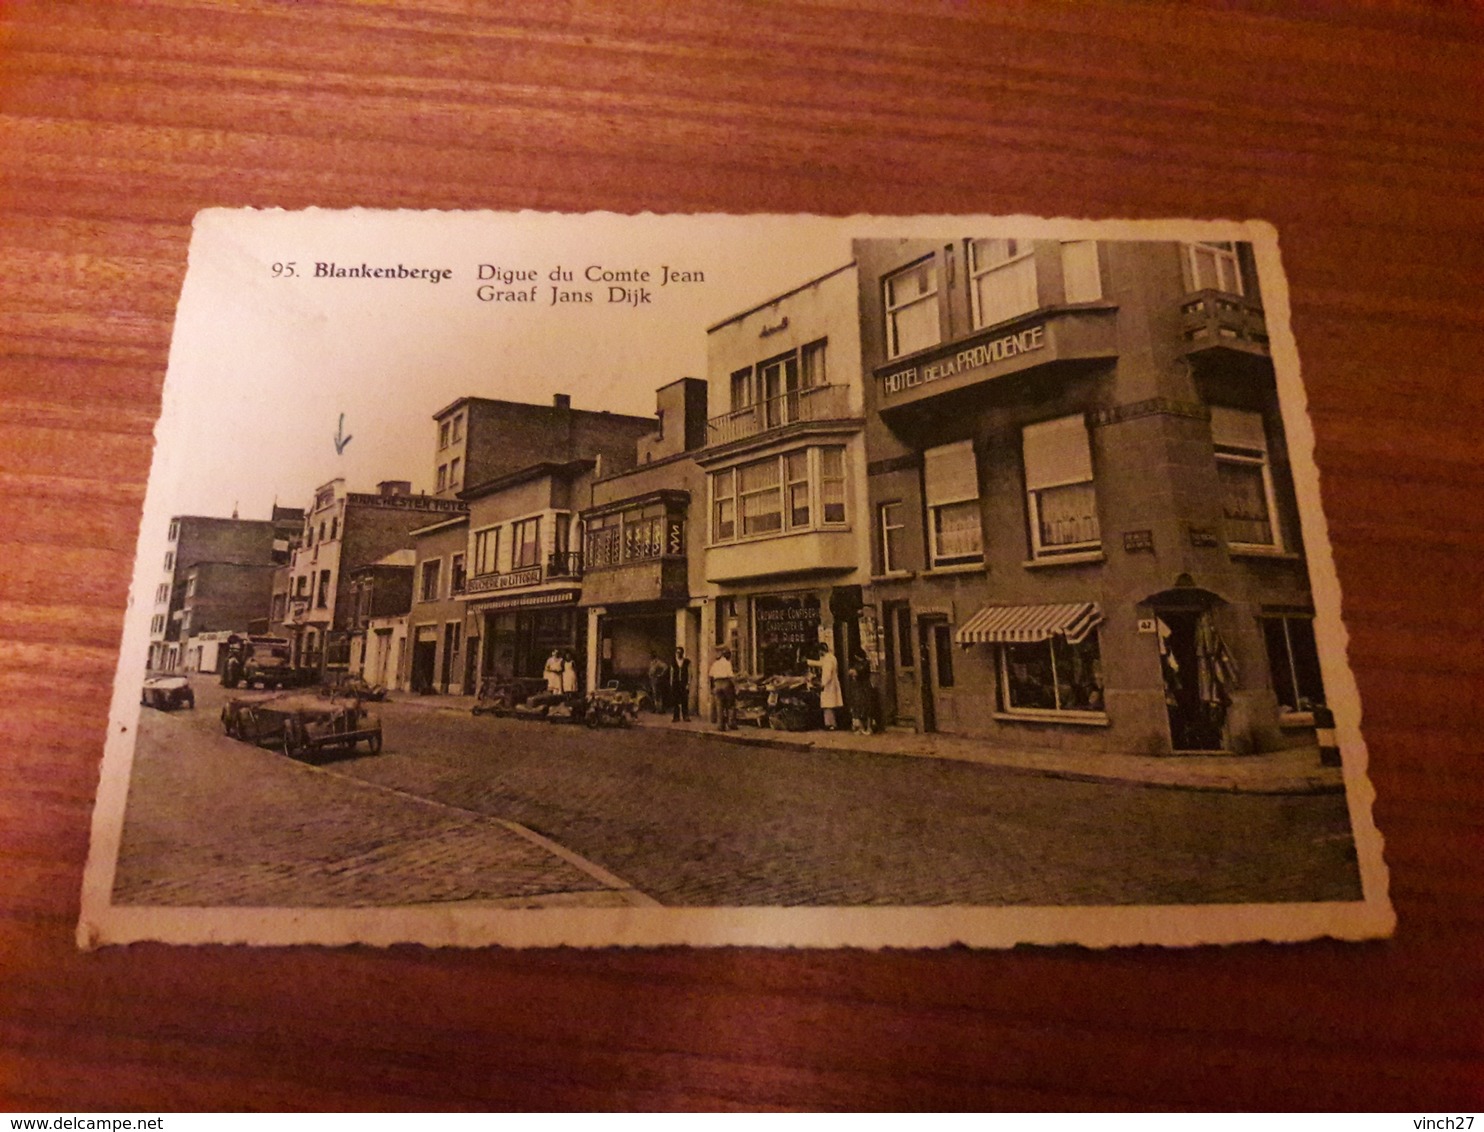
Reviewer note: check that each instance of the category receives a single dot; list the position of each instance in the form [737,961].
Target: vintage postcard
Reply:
[530,580]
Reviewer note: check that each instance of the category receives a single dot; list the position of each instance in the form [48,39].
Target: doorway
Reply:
[1197,679]
[934,665]
[900,663]
[424,659]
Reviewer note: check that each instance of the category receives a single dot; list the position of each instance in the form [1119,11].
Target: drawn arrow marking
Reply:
[341,440]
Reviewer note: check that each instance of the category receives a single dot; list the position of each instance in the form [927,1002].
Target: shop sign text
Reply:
[975,357]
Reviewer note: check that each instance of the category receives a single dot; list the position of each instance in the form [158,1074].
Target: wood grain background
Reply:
[1357,129]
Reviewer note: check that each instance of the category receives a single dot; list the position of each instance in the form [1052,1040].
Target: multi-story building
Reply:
[441,661]
[1085,529]
[787,536]
[380,597]
[203,538]
[642,588]
[493,595]
[345,530]
[220,598]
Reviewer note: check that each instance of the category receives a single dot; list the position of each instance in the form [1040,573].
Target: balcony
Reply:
[1219,320]
[563,566]
[821,403]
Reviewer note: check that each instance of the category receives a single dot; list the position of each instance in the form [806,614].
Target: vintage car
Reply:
[359,687]
[265,661]
[166,693]
[302,723]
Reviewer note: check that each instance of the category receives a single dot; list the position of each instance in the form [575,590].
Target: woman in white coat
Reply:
[829,684]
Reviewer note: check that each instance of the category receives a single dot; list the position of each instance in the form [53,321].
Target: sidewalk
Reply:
[1295,771]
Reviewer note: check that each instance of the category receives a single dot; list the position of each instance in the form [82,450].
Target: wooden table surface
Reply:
[1356,128]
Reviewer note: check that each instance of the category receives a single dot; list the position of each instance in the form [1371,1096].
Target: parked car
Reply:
[302,723]
[265,661]
[166,693]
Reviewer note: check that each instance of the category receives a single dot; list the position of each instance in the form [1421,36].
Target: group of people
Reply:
[561,673]
[670,688]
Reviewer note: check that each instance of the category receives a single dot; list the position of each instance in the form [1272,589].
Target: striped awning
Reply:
[1011,624]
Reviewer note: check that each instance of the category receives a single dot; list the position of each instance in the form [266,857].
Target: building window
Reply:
[322,601]
[644,533]
[1293,660]
[525,543]
[442,477]
[912,308]
[301,585]
[458,428]
[428,583]
[1246,478]
[797,491]
[191,586]
[741,389]
[758,498]
[443,435]
[487,551]
[453,472]
[1061,502]
[334,528]
[1002,280]
[1081,280]
[174,529]
[1213,266]
[951,487]
[169,560]
[890,524]
[280,604]
[1052,675]
[456,576]
[162,593]
[322,531]
[603,541]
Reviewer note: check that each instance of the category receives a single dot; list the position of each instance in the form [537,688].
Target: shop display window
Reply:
[1293,661]
[1051,676]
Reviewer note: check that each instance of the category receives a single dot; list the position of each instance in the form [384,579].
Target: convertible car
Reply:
[166,693]
[302,723]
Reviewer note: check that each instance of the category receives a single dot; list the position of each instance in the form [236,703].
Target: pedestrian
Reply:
[553,673]
[724,690]
[829,684]
[858,693]
[659,675]
[679,687]
[569,674]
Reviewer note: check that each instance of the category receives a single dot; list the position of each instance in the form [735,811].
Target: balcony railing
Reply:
[560,567]
[1218,319]
[820,403]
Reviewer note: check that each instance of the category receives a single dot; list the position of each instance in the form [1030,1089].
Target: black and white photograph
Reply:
[530,579]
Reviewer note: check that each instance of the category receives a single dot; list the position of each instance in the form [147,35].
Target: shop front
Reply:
[516,635]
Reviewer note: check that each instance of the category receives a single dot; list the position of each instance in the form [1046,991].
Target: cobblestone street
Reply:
[519,813]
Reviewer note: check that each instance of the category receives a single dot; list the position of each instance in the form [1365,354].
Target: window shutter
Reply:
[1057,452]
[950,473]
[1238,428]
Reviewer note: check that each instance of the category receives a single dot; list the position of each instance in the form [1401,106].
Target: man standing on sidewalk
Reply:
[679,687]
[724,689]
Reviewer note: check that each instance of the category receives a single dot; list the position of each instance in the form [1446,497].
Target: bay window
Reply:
[525,543]
[799,490]
[487,551]
[1061,501]
[951,488]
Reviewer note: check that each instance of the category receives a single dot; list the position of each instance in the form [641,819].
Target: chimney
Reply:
[388,488]
[561,401]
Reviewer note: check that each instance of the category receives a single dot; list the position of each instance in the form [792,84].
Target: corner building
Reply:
[1084,528]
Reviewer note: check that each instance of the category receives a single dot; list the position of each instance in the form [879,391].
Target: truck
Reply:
[265,661]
